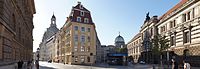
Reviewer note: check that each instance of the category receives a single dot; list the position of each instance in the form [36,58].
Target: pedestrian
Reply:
[37,64]
[20,64]
[29,65]
[186,65]
[174,64]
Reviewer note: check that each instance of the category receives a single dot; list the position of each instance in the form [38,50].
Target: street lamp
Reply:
[38,49]
[37,61]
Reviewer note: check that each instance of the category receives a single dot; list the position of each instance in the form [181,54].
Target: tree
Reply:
[121,50]
[159,44]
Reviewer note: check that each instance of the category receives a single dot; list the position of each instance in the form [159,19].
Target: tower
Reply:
[53,21]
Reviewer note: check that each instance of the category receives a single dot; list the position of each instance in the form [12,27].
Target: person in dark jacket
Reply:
[20,63]
[174,64]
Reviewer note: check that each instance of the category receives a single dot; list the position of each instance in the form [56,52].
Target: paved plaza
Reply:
[45,65]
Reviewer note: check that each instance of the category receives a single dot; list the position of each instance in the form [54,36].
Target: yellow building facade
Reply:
[78,38]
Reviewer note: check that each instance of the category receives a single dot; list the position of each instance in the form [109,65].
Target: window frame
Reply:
[78,19]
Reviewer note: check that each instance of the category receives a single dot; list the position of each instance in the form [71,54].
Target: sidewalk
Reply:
[156,66]
[15,66]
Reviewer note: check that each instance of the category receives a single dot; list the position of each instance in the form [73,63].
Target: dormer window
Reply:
[86,20]
[81,6]
[78,19]
[82,13]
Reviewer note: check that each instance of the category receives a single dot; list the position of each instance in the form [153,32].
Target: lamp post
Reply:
[37,60]
[38,49]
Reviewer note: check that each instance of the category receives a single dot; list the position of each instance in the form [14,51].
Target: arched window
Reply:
[186,52]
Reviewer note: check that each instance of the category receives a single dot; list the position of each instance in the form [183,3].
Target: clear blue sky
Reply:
[109,16]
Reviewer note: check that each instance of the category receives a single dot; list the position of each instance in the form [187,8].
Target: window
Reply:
[88,38]
[193,13]
[88,58]
[88,29]
[82,13]
[76,38]
[81,6]
[162,29]
[188,15]
[172,23]
[184,17]
[172,40]
[86,20]
[186,37]
[76,58]
[82,39]
[82,59]
[75,48]
[76,28]
[83,29]
[151,31]
[82,48]
[88,49]
[78,19]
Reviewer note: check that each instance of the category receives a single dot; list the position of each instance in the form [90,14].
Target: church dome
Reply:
[119,39]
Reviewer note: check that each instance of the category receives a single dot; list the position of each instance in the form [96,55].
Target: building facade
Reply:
[134,48]
[99,50]
[181,25]
[45,46]
[16,26]
[139,47]
[78,38]
[50,48]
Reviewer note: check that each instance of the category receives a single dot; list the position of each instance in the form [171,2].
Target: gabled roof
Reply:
[77,7]
[75,12]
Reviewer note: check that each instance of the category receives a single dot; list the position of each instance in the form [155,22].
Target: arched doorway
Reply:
[186,53]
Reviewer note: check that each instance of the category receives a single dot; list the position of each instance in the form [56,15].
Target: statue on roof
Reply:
[147,17]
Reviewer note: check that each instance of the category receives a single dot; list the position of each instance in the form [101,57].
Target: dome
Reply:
[119,39]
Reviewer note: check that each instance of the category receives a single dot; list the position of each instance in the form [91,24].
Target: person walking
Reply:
[20,64]
[37,64]
[186,65]
[29,64]
[174,64]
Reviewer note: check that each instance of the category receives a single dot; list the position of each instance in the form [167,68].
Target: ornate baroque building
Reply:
[77,39]
[181,25]
[16,26]
[47,41]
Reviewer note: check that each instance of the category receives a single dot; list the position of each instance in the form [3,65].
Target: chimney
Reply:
[79,2]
